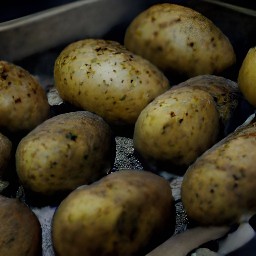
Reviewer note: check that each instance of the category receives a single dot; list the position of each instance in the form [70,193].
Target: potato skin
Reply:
[220,186]
[64,152]
[124,213]
[247,76]
[5,153]
[225,93]
[101,76]
[20,229]
[179,39]
[23,101]
[176,127]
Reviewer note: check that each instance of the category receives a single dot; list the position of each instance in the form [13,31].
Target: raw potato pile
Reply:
[179,125]
[125,213]
[103,77]
[130,212]
[20,229]
[5,153]
[180,40]
[23,101]
[219,188]
[247,76]
[64,152]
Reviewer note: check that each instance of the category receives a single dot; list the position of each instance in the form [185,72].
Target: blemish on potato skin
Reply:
[71,136]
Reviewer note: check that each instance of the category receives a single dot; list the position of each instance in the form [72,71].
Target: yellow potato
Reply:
[176,127]
[5,153]
[103,77]
[20,229]
[23,101]
[125,213]
[64,152]
[219,188]
[225,93]
[179,39]
[247,77]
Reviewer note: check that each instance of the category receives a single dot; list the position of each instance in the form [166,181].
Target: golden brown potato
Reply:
[176,127]
[5,153]
[247,76]
[20,229]
[64,152]
[179,39]
[23,101]
[101,76]
[125,213]
[219,188]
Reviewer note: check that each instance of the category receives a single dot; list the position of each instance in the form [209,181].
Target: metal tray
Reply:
[34,41]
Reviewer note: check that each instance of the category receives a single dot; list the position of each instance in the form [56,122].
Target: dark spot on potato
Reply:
[181,120]
[159,48]
[191,44]
[235,177]
[86,157]
[53,164]
[4,76]
[153,19]
[11,240]
[235,185]
[71,136]
[164,128]
[17,100]
[172,114]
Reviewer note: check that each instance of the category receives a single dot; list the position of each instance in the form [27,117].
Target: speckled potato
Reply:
[247,77]
[176,127]
[225,93]
[5,153]
[64,152]
[220,186]
[20,229]
[23,101]
[179,39]
[125,213]
[103,77]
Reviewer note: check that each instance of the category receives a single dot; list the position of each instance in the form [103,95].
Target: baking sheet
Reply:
[49,28]
[35,41]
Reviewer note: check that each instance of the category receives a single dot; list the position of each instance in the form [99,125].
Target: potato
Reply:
[220,186]
[23,101]
[247,77]
[179,39]
[5,153]
[125,213]
[175,128]
[64,152]
[225,93]
[101,76]
[20,229]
